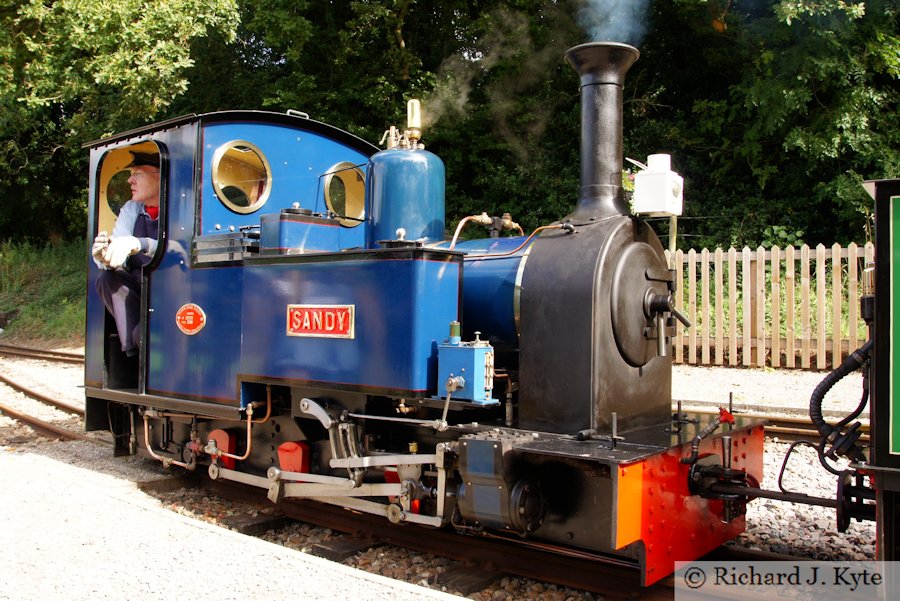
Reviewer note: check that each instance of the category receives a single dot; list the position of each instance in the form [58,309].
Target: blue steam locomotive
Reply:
[306,329]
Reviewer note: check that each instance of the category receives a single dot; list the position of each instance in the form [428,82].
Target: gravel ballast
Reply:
[79,534]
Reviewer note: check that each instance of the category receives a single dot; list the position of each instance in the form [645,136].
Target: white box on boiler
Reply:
[657,189]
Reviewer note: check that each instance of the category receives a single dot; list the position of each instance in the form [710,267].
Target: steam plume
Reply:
[509,36]
[614,20]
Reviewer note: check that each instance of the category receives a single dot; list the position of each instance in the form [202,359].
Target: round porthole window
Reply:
[241,176]
[345,193]
[118,191]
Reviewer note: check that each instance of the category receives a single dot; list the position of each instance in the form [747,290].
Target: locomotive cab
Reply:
[113,191]
[223,201]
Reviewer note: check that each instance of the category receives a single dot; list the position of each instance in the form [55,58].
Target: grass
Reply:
[42,293]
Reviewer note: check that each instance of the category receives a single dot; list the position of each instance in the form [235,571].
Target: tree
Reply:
[786,109]
[75,70]
[773,110]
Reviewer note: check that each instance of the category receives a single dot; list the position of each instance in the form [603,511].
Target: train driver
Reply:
[122,255]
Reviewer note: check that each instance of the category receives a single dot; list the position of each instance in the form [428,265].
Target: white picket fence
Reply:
[794,308]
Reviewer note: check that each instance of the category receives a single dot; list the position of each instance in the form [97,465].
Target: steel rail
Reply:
[611,576]
[61,405]
[33,353]
[789,427]
[41,426]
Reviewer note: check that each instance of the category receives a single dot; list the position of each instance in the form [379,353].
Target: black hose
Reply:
[853,362]
[695,443]
[823,458]
[862,403]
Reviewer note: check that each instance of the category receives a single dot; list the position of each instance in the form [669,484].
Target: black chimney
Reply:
[601,67]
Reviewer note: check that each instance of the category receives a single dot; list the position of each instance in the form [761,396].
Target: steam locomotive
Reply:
[306,329]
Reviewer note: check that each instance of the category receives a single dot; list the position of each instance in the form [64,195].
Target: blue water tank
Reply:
[405,189]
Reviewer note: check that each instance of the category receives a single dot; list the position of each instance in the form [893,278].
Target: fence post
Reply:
[852,297]
[720,310]
[836,305]
[789,288]
[759,305]
[820,307]
[805,332]
[692,299]
[747,289]
[732,306]
[776,307]
[679,286]
[704,313]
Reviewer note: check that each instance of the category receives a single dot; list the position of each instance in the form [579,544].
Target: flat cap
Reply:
[143,158]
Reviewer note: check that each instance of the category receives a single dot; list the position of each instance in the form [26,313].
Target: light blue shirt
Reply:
[124,226]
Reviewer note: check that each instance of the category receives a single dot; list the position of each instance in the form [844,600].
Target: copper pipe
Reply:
[268,414]
[482,219]
[262,420]
[166,461]
[221,453]
[521,246]
[459,228]
[193,416]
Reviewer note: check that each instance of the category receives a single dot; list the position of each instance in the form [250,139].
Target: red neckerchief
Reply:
[152,211]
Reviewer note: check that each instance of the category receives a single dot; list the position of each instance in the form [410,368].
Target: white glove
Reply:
[100,244]
[120,249]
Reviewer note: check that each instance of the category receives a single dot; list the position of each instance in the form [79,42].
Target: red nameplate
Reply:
[190,319]
[321,321]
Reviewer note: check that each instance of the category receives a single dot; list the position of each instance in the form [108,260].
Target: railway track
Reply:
[41,426]
[498,556]
[484,559]
[34,353]
[788,428]
[61,405]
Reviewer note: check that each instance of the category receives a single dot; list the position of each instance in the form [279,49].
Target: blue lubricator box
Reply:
[288,233]
[474,362]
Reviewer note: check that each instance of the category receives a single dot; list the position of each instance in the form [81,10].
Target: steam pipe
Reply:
[601,67]
[558,226]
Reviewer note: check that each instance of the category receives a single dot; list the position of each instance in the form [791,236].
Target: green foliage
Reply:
[807,110]
[777,235]
[774,110]
[43,288]
[500,105]
[76,70]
